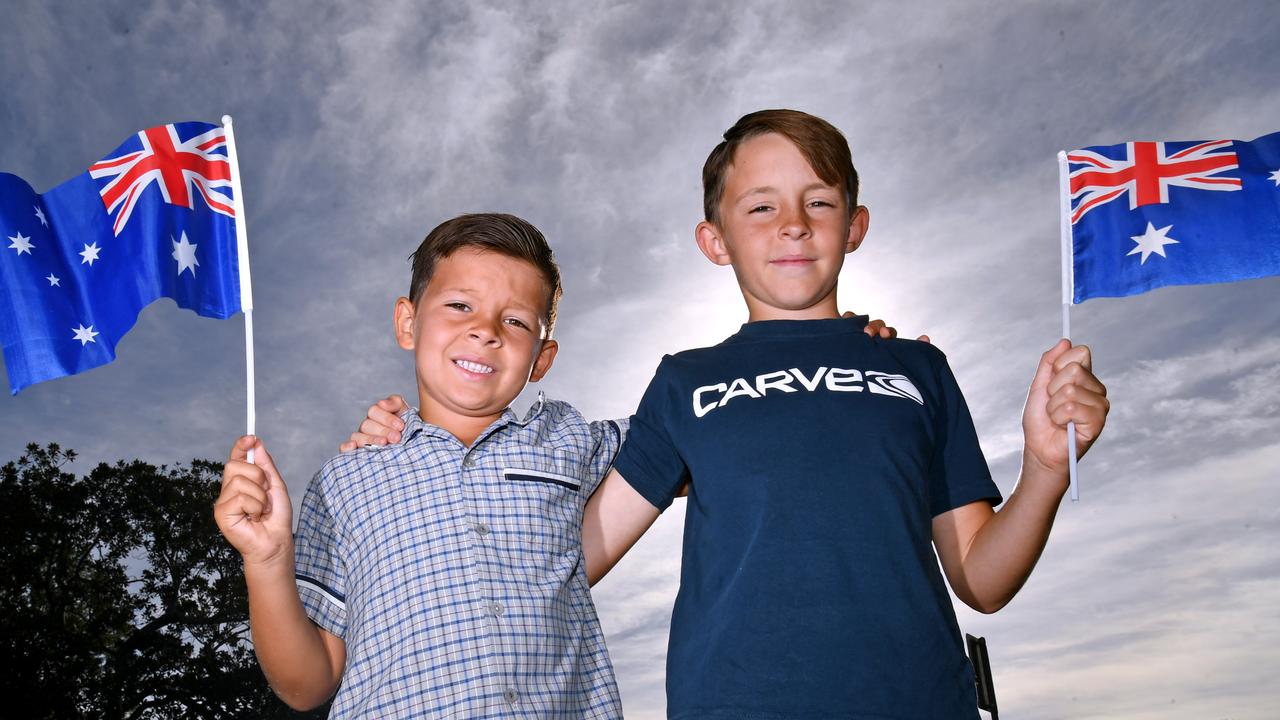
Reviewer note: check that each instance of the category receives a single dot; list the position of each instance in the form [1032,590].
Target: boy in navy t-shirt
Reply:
[825,467]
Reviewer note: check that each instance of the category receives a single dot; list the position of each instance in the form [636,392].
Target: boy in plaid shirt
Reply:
[442,576]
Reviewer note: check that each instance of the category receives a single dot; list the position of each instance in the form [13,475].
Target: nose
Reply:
[794,224]
[485,330]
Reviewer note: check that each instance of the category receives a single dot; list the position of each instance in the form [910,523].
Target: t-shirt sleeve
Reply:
[606,438]
[319,570]
[958,473]
[649,459]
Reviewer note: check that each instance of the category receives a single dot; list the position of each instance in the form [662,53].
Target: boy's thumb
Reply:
[1044,371]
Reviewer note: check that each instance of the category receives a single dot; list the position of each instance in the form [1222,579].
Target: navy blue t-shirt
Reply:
[818,458]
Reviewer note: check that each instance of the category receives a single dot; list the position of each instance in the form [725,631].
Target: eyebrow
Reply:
[766,189]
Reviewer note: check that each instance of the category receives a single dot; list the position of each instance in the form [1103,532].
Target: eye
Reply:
[821,203]
[462,307]
[759,208]
[518,323]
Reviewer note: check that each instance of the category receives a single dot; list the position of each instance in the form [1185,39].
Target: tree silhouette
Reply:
[118,596]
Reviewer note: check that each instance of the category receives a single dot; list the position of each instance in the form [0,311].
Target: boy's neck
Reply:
[826,309]
[463,427]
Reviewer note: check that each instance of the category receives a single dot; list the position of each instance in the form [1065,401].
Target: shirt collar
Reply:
[776,329]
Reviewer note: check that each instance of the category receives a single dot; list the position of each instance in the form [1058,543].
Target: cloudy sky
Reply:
[362,126]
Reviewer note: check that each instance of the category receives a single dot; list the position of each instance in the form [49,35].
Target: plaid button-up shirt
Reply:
[455,575]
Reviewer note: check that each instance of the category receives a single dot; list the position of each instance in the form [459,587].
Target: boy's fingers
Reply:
[1077,375]
[925,338]
[1077,354]
[347,446]
[240,448]
[262,459]
[1088,417]
[381,423]
[241,485]
[361,439]
[242,505]
[383,417]
[1086,409]
[241,469]
[393,404]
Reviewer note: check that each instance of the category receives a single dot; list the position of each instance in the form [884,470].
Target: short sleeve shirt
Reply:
[455,575]
[818,458]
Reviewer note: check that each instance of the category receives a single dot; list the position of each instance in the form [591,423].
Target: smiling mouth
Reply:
[791,260]
[473,367]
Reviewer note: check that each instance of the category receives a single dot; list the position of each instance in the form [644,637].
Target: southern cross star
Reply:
[1276,176]
[53,280]
[1152,241]
[89,254]
[185,254]
[21,243]
[85,335]
[40,215]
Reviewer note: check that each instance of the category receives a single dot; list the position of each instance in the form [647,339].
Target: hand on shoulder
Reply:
[381,426]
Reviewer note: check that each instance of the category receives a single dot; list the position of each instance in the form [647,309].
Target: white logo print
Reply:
[889,384]
[710,397]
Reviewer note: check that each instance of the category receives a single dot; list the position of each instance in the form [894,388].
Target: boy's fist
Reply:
[381,427]
[1064,390]
[253,510]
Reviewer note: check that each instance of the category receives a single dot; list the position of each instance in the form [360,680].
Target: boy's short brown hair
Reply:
[492,232]
[818,140]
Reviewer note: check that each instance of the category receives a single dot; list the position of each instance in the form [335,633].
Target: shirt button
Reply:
[469,461]
[510,695]
[481,529]
[496,608]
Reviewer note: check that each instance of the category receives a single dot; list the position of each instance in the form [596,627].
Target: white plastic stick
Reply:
[246,287]
[1068,293]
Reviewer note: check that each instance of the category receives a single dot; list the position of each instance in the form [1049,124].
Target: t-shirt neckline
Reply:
[766,329]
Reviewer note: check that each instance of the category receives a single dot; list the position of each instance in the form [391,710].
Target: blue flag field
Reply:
[153,219]
[1149,214]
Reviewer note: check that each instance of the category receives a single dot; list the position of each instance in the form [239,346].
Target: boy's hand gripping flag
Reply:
[1148,214]
[158,217]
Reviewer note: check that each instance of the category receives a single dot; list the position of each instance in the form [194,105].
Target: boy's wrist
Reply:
[279,564]
[1043,476]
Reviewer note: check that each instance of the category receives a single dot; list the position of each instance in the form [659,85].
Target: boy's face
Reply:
[784,230]
[476,334]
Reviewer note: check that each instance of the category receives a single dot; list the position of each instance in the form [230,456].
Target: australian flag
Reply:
[1149,214]
[155,218]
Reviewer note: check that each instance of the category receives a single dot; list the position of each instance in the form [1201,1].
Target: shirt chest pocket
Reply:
[544,501]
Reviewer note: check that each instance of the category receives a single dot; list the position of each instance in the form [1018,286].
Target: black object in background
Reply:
[982,674]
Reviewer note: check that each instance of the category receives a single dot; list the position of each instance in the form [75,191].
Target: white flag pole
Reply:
[246,287]
[1068,293]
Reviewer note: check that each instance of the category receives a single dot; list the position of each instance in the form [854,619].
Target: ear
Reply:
[711,243]
[857,228]
[542,363]
[404,314]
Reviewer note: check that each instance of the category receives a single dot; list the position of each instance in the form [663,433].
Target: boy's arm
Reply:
[614,519]
[302,662]
[988,555]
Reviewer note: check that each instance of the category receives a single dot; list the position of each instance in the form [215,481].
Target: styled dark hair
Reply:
[493,232]
[818,140]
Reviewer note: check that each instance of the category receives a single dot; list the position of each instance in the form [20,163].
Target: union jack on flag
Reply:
[1147,171]
[155,218]
[176,166]
[1196,212]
